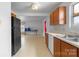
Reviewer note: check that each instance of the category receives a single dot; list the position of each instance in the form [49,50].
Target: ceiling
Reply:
[25,7]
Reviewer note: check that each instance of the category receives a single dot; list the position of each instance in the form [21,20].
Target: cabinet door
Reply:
[46,39]
[62,15]
[78,52]
[56,47]
[68,50]
[51,18]
[56,17]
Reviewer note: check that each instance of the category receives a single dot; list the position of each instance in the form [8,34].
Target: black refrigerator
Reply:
[15,35]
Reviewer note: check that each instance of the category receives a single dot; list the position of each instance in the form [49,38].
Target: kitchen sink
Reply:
[74,38]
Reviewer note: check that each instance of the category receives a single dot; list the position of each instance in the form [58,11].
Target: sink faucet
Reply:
[65,34]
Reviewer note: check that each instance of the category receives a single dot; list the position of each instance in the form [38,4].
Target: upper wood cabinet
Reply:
[51,19]
[64,49]
[58,16]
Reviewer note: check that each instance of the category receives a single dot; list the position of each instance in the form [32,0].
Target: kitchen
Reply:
[64,42]
[45,29]
[60,29]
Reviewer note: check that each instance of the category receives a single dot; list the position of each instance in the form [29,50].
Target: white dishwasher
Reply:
[51,44]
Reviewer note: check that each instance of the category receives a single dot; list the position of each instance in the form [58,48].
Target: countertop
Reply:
[76,44]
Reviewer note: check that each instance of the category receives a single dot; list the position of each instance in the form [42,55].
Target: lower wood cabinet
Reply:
[56,47]
[64,49]
[68,50]
[78,52]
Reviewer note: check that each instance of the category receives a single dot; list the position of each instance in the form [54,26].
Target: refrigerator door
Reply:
[16,35]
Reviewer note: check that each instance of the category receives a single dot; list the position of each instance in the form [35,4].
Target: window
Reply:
[76,9]
[76,14]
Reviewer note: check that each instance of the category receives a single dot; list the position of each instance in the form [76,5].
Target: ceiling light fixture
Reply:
[35,6]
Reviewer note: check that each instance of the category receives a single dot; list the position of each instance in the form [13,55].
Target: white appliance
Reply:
[51,44]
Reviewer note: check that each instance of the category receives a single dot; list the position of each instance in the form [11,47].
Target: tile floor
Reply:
[33,46]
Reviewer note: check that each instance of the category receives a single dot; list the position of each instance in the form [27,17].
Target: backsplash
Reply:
[55,28]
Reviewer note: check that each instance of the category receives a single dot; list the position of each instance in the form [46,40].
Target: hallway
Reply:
[33,46]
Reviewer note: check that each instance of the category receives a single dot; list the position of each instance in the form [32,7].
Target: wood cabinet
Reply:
[68,50]
[46,39]
[60,48]
[78,52]
[56,47]
[64,49]
[51,19]
[58,16]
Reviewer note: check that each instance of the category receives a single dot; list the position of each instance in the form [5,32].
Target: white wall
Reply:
[35,22]
[5,29]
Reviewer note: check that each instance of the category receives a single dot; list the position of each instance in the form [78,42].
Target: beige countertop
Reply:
[76,44]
